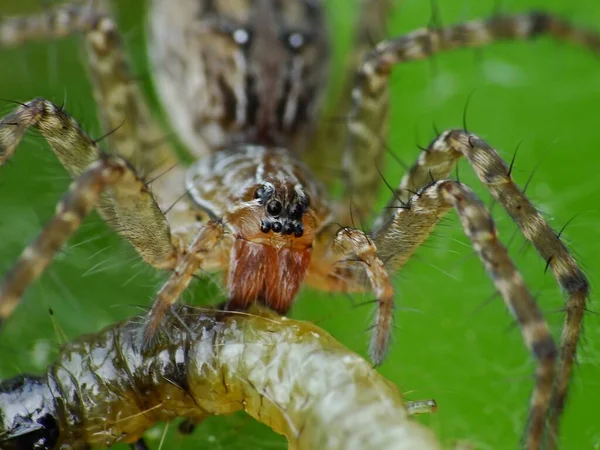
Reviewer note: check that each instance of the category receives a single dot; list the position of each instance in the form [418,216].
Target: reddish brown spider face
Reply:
[272,249]
[265,198]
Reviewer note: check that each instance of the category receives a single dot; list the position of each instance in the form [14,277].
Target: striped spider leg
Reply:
[419,202]
[106,181]
[128,206]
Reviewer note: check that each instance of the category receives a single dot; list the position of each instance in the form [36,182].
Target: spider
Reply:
[251,205]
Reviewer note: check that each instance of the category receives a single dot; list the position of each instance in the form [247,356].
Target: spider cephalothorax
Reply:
[263,196]
[241,82]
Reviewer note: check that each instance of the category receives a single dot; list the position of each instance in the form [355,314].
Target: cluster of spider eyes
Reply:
[287,221]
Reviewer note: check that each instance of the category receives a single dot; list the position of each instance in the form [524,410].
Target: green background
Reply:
[451,344]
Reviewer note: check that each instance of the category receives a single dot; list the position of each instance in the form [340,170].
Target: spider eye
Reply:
[241,36]
[289,228]
[259,193]
[296,41]
[265,226]
[274,208]
[296,212]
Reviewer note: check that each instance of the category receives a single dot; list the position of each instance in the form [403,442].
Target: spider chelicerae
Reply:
[248,207]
